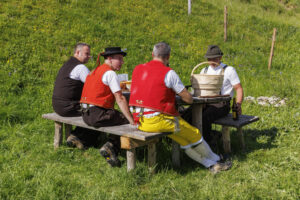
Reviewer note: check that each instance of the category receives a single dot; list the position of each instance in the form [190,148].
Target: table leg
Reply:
[197,116]
[175,154]
[152,157]
[58,134]
[131,159]
[68,129]
[226,139]
[241,136]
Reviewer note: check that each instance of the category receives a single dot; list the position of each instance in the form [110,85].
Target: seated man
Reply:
[154,107]
[100,91]
[231,82]
[67,92]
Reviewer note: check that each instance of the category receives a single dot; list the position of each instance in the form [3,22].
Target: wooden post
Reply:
[152,157]
[189,6]
[58,134]
[241,136]
[68,129]
[226,139]
[197,116]
[272,48]
[131,159]
[225,23]
[175,154]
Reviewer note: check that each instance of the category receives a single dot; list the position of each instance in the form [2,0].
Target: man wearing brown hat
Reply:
[231,83]
[100,92]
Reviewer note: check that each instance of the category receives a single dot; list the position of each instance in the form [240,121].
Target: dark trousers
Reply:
[210,113]
[100,117]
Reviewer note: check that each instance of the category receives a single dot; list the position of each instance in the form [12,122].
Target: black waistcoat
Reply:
[66,90]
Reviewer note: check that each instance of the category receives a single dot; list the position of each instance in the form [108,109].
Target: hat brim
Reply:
[213,56]
[113,53]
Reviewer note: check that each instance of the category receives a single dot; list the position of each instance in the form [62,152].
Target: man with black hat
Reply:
[100,92]
[231,83]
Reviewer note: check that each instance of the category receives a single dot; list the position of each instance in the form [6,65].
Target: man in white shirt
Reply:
[67,93]
[153,103]
[231,83]
[100,92]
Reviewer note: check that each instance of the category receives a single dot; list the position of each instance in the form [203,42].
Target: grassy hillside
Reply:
[38,36]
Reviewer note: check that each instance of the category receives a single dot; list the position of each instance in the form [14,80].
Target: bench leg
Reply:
[226,139]
[175,154]
[131,159]
[58,134]
[241,137]
[152,157]
[68,129]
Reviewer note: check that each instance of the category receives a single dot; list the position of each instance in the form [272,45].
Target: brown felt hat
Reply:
[213,51]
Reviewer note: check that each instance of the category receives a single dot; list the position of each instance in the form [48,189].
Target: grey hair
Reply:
[80,45]
[161,50]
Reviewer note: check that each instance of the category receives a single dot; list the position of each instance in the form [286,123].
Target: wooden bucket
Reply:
[204,84]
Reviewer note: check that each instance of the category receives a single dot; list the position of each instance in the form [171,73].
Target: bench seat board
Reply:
[243,120]
[126,130]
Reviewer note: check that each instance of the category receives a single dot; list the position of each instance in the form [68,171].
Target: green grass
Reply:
[38,36]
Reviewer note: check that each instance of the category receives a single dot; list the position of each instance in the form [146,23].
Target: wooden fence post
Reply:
[272,48]
[225,23]
[189,6]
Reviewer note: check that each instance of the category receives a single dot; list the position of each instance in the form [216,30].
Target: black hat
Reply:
[213,51]
[113,50]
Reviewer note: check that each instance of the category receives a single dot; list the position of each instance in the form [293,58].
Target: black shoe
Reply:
[107,151]
[73,141]
[220,167]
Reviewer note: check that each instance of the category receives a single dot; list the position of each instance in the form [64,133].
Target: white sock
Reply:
[204,149]
[199,158]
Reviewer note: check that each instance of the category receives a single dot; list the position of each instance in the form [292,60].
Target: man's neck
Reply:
[164,61]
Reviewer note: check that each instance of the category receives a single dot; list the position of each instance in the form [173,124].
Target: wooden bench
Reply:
[227,122]
[131,138]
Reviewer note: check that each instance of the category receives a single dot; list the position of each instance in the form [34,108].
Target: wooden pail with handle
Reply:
[204,84]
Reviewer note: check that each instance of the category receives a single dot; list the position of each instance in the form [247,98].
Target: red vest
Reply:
[95,91]
[148,88]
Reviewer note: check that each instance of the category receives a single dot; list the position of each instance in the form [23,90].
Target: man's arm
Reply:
[123,105]
[186,96]
[239,96]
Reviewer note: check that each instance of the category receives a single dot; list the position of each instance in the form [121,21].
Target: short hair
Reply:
[161,50]
[80,45]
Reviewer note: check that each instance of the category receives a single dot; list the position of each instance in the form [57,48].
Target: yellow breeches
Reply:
[183,132]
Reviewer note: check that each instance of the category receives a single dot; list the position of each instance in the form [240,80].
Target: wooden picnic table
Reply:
[198,103]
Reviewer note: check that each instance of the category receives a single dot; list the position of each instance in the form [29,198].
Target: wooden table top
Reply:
[197,100]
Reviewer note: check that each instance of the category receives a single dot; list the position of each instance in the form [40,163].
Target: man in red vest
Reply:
[100,92]
[154,108]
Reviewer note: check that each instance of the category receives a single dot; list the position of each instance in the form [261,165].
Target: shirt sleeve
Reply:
[173,81]
[111,79]
[233,76]
[79,72]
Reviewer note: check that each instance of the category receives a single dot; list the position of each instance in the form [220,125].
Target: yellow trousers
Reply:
[183,133]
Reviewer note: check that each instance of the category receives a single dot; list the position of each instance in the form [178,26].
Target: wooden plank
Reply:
[122,130]
[242,121]
[129,143]
[131,159]
[58,134]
